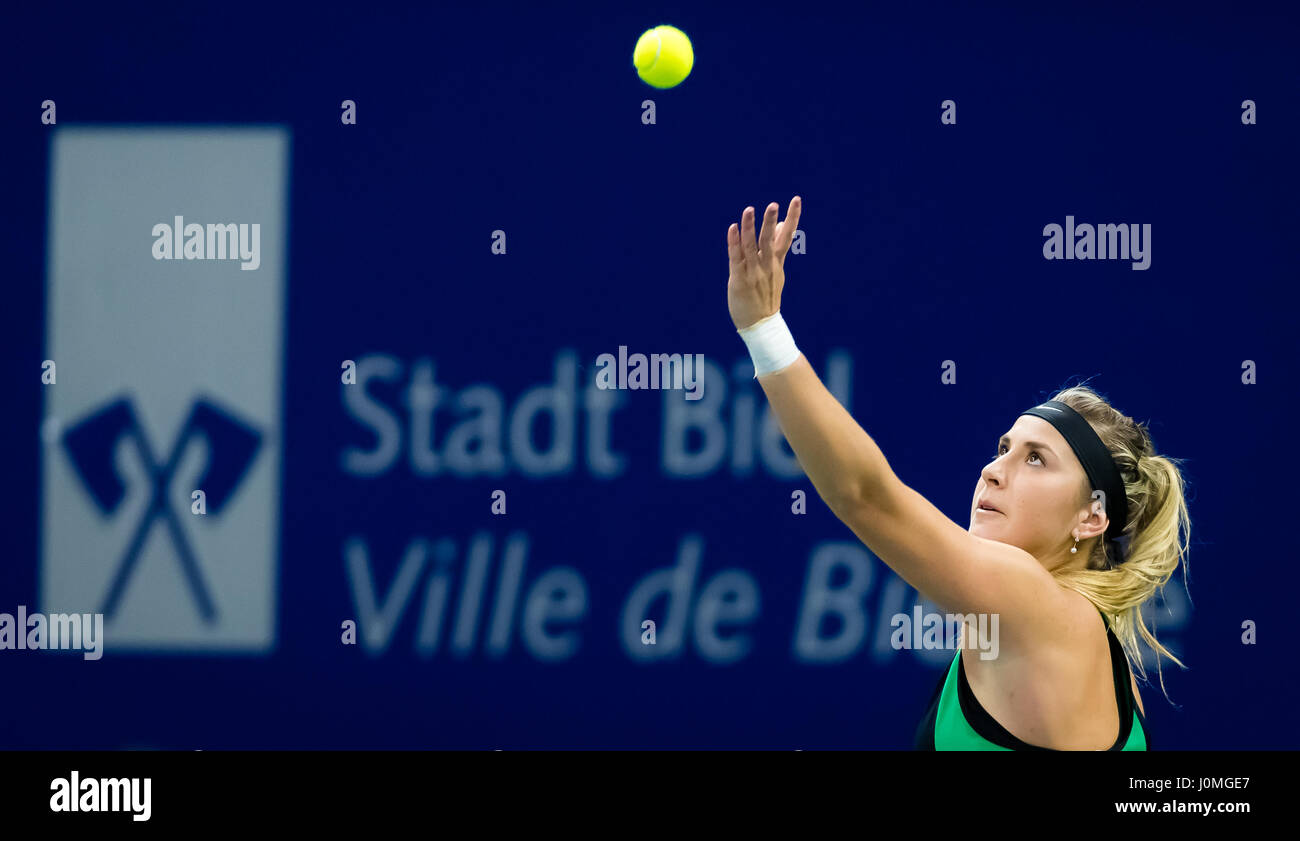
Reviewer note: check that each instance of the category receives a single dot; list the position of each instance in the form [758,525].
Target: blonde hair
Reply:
[1158,526]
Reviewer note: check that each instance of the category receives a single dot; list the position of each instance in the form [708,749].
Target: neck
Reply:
[1063,561]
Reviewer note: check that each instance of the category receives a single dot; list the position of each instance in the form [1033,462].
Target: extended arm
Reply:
[957,570]
[954,568]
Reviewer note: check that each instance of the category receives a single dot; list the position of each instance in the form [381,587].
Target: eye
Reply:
[1032,453]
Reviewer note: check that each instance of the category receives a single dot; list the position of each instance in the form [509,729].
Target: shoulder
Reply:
[1085,652]
[1079,630]
[1061,626]
[1065,676]
[1065,647]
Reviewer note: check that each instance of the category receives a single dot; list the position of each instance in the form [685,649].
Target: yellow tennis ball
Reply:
[663,56]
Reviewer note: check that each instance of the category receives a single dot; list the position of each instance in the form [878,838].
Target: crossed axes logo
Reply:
[232,448]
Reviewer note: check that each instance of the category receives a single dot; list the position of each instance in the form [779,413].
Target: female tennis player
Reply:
[1073,526]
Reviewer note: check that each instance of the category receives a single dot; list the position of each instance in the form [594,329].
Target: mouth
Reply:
[984,507]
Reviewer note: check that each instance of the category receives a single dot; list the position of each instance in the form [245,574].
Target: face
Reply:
[1039,489]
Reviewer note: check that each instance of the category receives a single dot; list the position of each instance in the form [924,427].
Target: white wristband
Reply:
[770,344]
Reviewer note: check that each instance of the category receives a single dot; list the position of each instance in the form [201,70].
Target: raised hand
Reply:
[758,266]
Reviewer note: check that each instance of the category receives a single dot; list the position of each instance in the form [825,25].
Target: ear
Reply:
[1093,521]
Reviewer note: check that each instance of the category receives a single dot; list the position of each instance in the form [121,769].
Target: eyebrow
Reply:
[1037,444]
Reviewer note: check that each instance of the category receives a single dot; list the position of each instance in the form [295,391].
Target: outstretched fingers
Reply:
[773,241]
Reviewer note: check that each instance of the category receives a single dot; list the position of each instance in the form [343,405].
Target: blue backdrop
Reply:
[501,213]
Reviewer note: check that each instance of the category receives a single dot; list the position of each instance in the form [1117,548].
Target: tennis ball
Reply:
[663,56]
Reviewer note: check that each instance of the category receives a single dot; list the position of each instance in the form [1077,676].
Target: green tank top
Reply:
[956,720]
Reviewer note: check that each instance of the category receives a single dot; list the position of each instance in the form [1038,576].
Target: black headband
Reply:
[1097,463]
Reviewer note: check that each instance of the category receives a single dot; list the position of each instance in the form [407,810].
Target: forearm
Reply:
[839,457]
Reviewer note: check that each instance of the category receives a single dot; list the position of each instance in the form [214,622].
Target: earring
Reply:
[1075,547]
